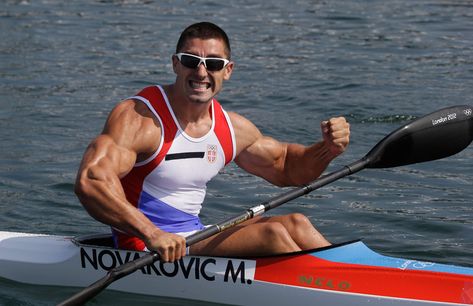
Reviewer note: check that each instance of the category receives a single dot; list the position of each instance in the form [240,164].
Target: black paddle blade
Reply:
[434,136]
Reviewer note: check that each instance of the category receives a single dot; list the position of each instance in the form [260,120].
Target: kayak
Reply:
[344,274]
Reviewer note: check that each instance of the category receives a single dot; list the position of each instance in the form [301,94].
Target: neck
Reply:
[193,117]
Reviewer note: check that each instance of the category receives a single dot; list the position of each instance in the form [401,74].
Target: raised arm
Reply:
[288,164]
[130,134]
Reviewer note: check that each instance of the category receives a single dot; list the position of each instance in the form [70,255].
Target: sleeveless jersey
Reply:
[169,187]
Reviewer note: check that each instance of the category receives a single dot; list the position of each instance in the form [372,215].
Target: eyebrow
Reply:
[216,55]
[208,55]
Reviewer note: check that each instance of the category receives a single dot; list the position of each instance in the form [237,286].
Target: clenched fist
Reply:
[336,135]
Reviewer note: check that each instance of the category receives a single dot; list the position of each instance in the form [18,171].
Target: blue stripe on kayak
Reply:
[359,253]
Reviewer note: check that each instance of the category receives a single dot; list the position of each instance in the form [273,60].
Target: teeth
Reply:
[199,85]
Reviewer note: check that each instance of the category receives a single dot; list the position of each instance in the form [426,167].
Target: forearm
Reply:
[105,201]
[285,164]
[304,164]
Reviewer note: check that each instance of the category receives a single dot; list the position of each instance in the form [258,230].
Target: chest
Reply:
[189,163]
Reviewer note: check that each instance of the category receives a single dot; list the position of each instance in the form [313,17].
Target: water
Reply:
[64,65]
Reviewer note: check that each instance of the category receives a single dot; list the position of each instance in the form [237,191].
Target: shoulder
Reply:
[239,122]
[130,109]
[131,124]
[246,133]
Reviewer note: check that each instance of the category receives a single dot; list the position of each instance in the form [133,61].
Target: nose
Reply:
[201,70]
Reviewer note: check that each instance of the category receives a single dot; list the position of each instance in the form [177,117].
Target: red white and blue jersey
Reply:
[170,186]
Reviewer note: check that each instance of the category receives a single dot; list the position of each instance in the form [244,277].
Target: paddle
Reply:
[434,136]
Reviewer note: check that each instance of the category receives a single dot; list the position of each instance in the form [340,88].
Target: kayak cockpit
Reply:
[105,240]
[95,240]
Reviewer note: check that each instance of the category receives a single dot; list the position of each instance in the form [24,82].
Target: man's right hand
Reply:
[170,247]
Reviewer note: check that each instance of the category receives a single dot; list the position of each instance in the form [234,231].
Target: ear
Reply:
[228,71]
[175,62]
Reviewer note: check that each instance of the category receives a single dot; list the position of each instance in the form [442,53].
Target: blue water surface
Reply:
[65,64]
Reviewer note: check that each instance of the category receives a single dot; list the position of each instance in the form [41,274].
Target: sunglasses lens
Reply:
[189,61]
[214,64]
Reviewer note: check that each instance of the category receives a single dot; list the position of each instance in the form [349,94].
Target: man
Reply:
[146,174]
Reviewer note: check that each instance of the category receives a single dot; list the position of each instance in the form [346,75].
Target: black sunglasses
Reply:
[210,63]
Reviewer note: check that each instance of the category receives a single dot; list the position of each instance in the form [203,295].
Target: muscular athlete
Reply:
[132,175]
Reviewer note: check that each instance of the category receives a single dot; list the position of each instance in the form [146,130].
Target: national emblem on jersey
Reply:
[211,153]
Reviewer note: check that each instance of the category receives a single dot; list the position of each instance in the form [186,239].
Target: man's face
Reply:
[200,85]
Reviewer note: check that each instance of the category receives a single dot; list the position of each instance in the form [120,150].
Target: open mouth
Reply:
[199,85]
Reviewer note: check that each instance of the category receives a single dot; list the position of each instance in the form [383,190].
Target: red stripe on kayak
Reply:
[312,272]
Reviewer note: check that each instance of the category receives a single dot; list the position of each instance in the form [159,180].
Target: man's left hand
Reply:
[336,135]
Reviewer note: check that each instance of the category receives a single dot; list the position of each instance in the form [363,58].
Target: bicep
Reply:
[105,157]
[262,157]
[258,154]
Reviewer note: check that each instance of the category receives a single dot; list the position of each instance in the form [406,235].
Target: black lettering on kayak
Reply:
[152,267]
[188,267]
[173,272]
[119,257]
[197,264]
[235,275]
[186,270]
[204,265]
[107,260]
[92,261]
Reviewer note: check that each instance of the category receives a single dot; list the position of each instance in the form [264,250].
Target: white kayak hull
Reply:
[62,261]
